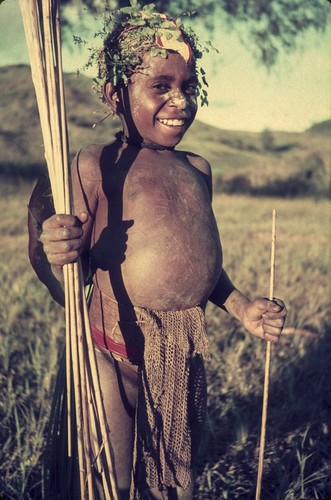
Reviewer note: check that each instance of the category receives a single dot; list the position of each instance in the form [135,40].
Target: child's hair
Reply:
[125,47]
[130,32]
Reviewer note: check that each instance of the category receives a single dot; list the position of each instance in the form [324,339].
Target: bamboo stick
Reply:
[30,15]
[77,391]
[108,467]
[84,384]
[64,131]
[267,364]
[42,28]
[68,362]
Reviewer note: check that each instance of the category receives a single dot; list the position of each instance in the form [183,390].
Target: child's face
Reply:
[162,100]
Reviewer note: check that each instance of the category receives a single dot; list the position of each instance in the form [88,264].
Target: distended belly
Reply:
[173,270]
[165,252]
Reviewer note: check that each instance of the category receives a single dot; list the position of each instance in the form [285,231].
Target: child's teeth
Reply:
[174,123]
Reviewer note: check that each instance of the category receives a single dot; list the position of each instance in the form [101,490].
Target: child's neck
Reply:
[144,144]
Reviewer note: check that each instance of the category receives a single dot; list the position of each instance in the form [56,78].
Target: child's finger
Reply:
[64,220]
[61,233]
[273,320]
[275,309]
[273,327]
[62,247]
[271,336]
[60,259]
[83,217]
[280,303]
[266,305]
[60,220]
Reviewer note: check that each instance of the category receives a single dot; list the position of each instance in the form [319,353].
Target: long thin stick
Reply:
[267,364]
[42,27]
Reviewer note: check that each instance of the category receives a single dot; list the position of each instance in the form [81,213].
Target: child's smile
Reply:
[162,100]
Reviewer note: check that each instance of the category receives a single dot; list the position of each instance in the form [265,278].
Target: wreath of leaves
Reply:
[128,33]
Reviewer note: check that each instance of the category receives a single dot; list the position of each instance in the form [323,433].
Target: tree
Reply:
[267,140]
[271,25]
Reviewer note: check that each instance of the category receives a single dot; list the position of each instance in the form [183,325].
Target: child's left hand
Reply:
[264,318]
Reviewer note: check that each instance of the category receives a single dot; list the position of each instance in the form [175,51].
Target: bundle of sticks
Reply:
[84,402]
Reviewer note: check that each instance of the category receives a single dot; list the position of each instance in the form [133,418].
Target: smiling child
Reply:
[147,237]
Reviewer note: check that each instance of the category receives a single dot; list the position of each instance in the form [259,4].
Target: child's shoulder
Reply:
[90,154]
[87,161]
[202,165]
[198,162]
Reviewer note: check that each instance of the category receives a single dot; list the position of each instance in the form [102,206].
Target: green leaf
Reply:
[168,35]
[138,22]
[154,51]
[127,10]
[149,8]
[76,39]
[204,81]
[149,32]
[153,22]
[168,25]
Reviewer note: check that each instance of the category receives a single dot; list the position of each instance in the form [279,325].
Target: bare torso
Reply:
[155,242]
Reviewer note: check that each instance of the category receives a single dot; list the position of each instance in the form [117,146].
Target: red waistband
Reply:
[132,353]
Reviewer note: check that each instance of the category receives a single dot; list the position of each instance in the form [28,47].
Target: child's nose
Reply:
[178,100]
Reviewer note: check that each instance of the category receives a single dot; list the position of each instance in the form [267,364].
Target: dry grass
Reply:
[297,460]
[297,463]
[31,333]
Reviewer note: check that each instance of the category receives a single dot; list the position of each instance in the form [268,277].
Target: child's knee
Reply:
[124,493]
[170,493]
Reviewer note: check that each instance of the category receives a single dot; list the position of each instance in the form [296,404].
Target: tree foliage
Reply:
[270,25]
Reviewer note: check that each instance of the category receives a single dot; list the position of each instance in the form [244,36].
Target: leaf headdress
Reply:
[128,33]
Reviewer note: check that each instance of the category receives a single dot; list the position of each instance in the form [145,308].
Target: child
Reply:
[147,238]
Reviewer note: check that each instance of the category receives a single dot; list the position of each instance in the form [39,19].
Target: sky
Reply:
[242,94]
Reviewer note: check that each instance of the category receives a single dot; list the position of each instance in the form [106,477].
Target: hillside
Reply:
[272,162]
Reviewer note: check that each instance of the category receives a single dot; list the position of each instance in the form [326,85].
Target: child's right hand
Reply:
[62,238]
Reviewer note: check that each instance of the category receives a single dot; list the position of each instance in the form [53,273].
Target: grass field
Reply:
[291,163]
[297,459]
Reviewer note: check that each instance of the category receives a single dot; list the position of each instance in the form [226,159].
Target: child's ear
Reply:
[111,96]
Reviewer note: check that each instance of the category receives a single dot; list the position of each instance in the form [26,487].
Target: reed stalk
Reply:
[41,21]
[267,365]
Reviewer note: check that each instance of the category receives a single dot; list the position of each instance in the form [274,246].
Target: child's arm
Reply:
[261,317]
[41,208]
[58,239]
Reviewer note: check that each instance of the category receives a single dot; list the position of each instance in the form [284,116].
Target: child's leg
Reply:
[119,382]
[170,493]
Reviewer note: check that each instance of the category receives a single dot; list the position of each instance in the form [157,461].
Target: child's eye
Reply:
[161,87]
[191,89]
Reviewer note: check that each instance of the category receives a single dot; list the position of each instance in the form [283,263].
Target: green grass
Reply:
[297,460]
